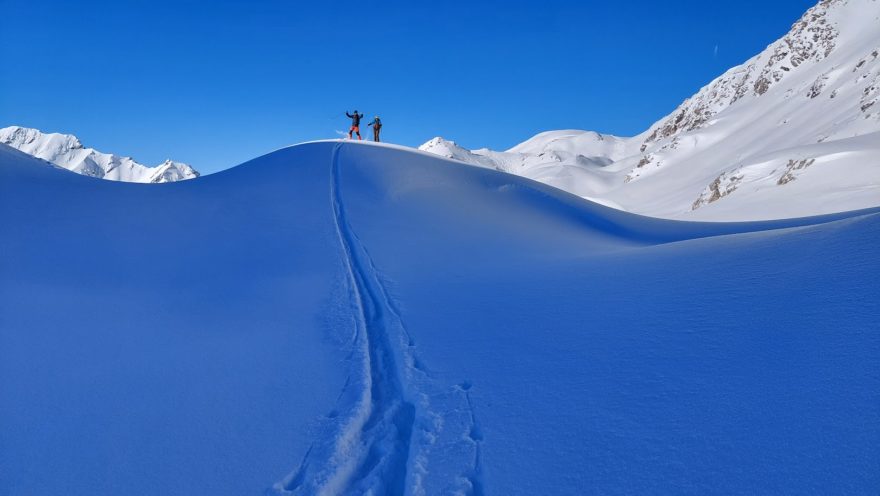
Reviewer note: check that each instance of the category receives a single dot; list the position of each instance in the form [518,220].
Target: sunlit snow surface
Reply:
[335,318]
[792,132]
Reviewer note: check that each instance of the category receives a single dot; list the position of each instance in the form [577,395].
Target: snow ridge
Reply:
[66,150]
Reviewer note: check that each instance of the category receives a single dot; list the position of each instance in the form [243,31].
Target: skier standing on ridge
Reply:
[376,125]
[355,124]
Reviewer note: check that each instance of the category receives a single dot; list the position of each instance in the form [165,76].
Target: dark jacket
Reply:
[375,122]
[355,119]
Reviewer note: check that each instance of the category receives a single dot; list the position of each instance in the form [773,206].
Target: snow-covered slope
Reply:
[793,131]
[352,318]
[66,151]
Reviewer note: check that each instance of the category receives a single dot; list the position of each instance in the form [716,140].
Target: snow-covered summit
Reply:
[585,143]
[793,131]
[67,151]
[451,149]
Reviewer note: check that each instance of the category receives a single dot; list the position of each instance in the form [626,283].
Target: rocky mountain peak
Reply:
[811,39]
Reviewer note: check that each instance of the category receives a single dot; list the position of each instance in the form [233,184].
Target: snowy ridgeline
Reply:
[352,318]
[65,150]
[793,131]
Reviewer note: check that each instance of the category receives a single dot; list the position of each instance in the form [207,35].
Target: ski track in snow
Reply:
[386,432]
[475,435]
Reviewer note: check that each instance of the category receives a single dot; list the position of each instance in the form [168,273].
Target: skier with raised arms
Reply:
[355,124]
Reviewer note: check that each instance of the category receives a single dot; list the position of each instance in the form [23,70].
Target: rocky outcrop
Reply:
[722,186]
[811,39]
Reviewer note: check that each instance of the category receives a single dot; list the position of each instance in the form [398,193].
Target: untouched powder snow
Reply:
[794,131]
[65,150]
[353,318]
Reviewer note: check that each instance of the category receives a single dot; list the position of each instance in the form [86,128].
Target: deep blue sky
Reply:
[216,83]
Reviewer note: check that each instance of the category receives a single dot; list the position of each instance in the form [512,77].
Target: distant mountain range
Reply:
[66,151]
[793,131]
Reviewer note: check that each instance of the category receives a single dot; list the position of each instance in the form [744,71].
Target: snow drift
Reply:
[339,318]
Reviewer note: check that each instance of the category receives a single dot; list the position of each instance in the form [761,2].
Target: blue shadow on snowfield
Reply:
[344,317]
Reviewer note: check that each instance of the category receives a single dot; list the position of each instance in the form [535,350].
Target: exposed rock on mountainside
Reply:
[806,108]
[812,38]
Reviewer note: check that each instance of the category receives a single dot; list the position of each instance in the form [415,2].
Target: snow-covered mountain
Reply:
[793,131]
[65,150]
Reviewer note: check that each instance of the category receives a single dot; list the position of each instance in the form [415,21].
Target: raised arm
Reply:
[346,113]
